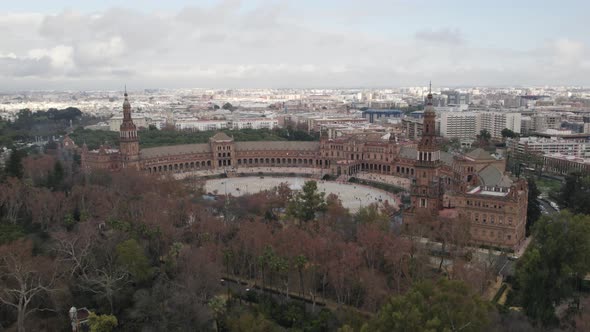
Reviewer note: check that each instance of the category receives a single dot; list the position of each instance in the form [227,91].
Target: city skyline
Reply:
[66,45]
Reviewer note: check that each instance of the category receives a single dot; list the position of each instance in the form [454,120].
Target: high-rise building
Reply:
[457,98]
[495,122]
[458,125]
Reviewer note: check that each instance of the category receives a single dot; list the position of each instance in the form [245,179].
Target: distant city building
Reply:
[412,128]
[544,121]
[314,124]
[457,98]
[531,100]
[200,125]
[524,146]
[373,115]
[561,164]
[495,122]
[255,123]
[458,125]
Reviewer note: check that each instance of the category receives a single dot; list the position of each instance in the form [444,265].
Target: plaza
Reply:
[353,196]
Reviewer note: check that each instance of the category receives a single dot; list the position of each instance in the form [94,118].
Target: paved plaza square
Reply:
[352,196]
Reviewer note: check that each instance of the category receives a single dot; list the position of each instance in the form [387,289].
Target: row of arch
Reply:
[404,170]
[180,166]
[376,168]
[207,164]
[276,161]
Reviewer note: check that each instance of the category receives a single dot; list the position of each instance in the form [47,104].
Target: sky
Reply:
[103,45]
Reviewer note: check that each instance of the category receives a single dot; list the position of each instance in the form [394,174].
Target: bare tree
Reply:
[11,198]
[25,280]
[93,263]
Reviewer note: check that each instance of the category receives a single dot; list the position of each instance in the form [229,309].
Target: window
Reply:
[422,202]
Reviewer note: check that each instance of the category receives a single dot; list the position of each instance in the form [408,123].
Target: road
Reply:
[546,207]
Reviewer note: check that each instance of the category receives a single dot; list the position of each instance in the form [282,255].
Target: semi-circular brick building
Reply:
[472,186]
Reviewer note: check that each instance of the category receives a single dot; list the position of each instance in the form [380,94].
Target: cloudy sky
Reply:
[103,44]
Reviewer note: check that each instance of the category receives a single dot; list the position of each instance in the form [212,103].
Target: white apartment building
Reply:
[199,125]
[255,123]
[495,122]
[458,124]
[545,146]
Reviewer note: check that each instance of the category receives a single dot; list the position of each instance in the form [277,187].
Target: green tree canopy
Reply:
[507,133]
[306,203]
[102,323]
[130,255]
[371,214]
[484,136]
[447,305]
[14,166]
[553,266]
[575,193]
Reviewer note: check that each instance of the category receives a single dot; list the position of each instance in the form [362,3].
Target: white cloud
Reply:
[444,35]
[227,45]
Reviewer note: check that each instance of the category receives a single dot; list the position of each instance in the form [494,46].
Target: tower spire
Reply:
[429,88]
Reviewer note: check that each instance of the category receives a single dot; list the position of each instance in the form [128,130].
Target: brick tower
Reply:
[128,139]
[428,190]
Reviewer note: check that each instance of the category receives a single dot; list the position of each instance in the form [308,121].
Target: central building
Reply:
[472,186]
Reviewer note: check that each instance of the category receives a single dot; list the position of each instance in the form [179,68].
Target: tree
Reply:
[227,106]
[102,323]
[454,144]
[551,270]
[12,199]
[447,305]
[372,214]
[56,178]
[575,193]
[507,133]
[131,257]
[14,166]
[26,281]
[247,322]
[218,305]
[533,212]
[103,275]
[307,203]
[484,137]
